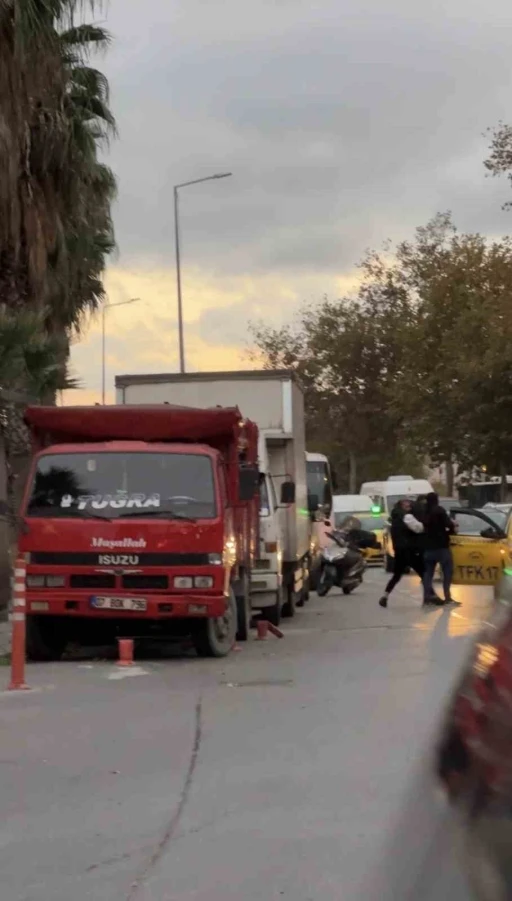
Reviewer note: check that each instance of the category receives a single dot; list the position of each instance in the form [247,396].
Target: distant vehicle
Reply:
[342,504]
[480,549]
[449,502]
[319,481]
[343,562]
[387,493]
[376,523]
[320,498]
[505,508]
[368,513]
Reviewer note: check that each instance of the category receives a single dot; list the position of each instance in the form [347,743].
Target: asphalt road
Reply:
[273,774]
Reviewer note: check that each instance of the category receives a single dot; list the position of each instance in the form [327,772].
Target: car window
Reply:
[471,524]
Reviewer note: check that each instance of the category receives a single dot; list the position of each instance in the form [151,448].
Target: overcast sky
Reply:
[344,123]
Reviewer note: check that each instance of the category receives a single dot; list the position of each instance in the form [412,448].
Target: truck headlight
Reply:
[55,581]
[183,582]
[203,582]
[35,581]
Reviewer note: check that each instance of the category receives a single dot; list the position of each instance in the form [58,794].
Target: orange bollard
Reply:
[125,651]
[262,627]
[18,640]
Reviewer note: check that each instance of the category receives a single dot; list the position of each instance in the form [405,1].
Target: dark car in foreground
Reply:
[454,838]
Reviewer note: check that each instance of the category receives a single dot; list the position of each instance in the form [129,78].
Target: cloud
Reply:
[143,336]
[343,125]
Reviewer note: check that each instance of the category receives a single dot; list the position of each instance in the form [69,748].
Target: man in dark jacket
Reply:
[438,528]
[405,532]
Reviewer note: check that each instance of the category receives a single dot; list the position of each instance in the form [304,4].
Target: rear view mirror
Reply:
[288,493]
[248,482]
[489,533]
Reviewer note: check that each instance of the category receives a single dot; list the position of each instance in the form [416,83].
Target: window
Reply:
[116,485]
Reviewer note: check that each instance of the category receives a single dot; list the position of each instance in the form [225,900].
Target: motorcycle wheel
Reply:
[324,585]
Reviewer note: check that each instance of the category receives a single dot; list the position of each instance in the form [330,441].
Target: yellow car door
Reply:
[479,549]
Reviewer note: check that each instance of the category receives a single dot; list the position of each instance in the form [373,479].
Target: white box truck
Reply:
[273,400]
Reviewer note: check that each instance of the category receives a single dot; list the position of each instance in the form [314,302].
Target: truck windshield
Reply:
[113,485]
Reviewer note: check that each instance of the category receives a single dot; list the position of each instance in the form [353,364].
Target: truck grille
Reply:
[89,580]
[146,582]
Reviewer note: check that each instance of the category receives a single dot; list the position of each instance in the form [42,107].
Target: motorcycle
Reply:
[342,563]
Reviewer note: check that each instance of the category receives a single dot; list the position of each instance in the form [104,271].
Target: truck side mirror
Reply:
[313,503]
[248,482]
[288,493]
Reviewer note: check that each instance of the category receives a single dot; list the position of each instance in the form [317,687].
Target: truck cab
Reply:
[138,524]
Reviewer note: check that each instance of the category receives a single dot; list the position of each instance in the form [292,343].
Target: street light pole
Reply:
[108,306]
[185,184]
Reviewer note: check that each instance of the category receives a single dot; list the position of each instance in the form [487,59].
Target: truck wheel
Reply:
[291,602]
[216,637]
[46,640]
[243,610]
[389,564]
[273,614]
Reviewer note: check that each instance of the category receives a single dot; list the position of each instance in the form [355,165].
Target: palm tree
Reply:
[55,194]
[30,369]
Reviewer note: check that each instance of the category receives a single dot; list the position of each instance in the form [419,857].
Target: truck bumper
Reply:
[160,607]
[264,586]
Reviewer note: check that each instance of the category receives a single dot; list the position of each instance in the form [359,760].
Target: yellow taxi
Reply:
[481,549]
[374,522]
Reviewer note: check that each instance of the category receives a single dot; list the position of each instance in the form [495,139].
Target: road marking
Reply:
[125,671]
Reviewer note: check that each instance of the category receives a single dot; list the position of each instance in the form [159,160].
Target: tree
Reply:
[499,161]
[457,350]
[418,365]
[55,195]
[345,354]
[30,368]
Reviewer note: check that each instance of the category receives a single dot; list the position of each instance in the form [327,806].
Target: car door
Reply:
[478,549]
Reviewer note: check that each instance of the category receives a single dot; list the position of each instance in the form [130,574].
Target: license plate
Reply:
[119,604]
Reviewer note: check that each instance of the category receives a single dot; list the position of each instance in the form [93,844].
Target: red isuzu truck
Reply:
[139,521]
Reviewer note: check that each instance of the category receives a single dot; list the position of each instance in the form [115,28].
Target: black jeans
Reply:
[405,558]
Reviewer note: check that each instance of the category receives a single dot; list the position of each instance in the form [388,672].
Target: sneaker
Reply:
[451,600]
[433,599]
[383,601]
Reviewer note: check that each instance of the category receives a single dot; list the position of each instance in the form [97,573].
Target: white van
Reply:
[343,504]
[386,494]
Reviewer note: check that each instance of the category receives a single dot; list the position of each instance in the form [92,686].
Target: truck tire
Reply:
[216,637]
[291,602]
[46,640]
[243,609]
